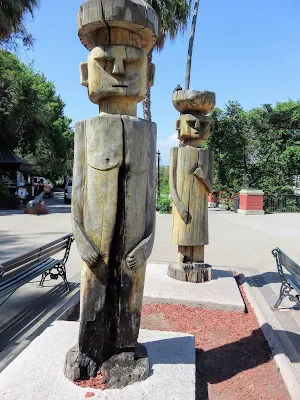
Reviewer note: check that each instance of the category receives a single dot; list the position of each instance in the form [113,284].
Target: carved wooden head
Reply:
[117,70]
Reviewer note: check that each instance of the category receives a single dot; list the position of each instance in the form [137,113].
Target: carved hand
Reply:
[86,248]
[184,213]
[135,258]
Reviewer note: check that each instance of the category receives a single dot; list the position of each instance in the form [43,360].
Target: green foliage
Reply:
[12,26]
[164,180]
[5,197]
[164,205]
[259,148]
[32,120]
[172,17]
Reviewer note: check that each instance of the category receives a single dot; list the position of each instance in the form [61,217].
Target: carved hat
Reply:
[128,22]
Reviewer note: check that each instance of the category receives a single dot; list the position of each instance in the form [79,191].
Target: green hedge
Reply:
[164,205]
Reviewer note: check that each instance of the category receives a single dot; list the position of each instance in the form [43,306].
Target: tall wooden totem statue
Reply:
[191,174]
[113,205]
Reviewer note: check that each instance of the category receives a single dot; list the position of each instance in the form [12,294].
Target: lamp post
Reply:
[158,173]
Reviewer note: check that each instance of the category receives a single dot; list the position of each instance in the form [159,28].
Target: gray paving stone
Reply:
[37,373]
[220,293]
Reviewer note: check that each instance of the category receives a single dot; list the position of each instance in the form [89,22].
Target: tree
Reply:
[12,16]
[256,148]
[191,44]
[172,17]
[32,120]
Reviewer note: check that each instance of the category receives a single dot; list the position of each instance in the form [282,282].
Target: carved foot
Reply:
[126,368]
[190,272]
[79,366]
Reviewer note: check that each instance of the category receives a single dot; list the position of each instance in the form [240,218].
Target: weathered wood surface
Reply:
[191,176]
[136,16]
[113,216]
[113,199]
[194,101]
[195,272]
[190,182]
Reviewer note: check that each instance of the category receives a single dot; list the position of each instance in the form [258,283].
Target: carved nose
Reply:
[118,68]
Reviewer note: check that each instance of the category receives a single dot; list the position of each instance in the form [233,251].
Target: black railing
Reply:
[280,203]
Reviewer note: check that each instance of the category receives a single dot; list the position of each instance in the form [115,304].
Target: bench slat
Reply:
[290,265]
[47,253]
[37,270]
[36,251]
[25,279]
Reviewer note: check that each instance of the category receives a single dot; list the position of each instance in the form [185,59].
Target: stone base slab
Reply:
[37,373]
[191,272]
[221,293]
[250,212]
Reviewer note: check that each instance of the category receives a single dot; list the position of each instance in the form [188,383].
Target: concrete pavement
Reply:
[239,242]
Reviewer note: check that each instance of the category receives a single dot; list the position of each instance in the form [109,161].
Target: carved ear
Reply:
[84,74]
[151,74]
[177,126]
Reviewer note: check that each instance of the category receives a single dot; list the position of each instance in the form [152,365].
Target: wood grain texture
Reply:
[189,192]
[136,16]
[114,212]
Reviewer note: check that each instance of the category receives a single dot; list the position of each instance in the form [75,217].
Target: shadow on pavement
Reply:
[32,321]
[222,363]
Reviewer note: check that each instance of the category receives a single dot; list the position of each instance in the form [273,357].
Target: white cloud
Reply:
[164,147]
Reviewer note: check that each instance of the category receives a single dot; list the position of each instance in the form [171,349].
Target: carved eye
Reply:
[192,124]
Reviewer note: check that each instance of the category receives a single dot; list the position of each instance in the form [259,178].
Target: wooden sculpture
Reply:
[113,204]
[191,175]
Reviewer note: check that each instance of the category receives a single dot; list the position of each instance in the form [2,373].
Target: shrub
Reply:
[5,196]
[164,205]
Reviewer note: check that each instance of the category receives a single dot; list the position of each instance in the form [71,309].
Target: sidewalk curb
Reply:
[283,363]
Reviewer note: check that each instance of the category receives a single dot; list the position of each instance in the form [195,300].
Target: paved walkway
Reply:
[240,242]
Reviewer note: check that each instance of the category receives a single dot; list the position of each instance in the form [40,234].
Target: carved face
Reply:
[116,70]
[193,127]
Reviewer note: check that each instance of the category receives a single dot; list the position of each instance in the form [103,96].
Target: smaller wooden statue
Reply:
[191,175]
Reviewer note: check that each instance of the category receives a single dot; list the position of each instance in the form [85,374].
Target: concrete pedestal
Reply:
[37,373]
[221,293]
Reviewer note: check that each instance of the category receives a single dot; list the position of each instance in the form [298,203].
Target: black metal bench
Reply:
[20,270]
[289,273]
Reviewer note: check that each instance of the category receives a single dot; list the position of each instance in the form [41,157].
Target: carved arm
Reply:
[87,249]
[142,251]
[181,208]
[203,178]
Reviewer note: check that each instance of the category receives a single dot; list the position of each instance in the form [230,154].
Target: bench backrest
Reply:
[287,263]
[27,260]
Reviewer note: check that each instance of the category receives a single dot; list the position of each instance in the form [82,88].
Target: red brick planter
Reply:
[251,202]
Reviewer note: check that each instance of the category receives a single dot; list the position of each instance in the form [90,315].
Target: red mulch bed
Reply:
[233,359]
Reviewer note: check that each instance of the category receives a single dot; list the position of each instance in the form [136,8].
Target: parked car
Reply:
[68,191]
[48,186]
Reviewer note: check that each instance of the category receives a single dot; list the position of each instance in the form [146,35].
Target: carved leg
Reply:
[284,291]
[190,254]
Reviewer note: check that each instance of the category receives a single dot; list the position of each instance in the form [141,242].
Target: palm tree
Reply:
[172,17]
[191,43]
[12,15]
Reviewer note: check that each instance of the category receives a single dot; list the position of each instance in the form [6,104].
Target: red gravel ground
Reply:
[233,359]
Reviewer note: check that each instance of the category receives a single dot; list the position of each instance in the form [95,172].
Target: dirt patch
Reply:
[233,359]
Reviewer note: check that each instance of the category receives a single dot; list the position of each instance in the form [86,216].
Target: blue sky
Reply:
[244,50]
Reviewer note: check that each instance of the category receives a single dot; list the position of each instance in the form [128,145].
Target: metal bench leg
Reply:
[62,273]
[284,292]
[43,278]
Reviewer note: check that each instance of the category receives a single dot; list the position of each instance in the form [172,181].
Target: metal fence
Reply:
[281,203]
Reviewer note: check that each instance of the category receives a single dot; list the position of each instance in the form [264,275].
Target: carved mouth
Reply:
[123,86]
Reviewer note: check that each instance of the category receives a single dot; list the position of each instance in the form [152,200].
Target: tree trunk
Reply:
[147,99]
[191,43]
